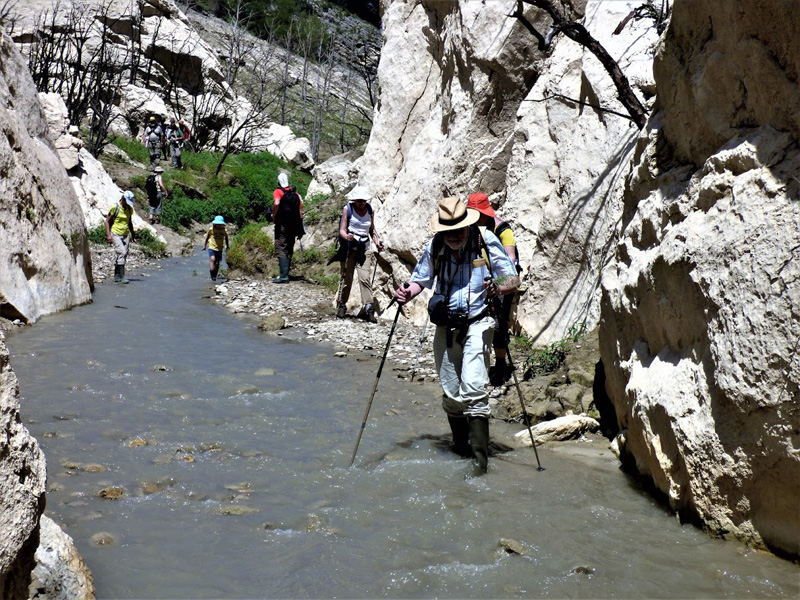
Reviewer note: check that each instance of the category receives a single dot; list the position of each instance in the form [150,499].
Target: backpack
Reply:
[153,135]
[187,133]
[288,215]
[151,187]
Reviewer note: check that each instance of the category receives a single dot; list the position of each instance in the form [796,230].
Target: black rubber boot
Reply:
[479,440]
[283,264]
[460,428]
[116,274]
[122,278]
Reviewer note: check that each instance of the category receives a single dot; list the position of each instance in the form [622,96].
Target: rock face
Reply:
[469,104]
[60,572]
[22,487]
[177,73]
[44,257]
[699,329]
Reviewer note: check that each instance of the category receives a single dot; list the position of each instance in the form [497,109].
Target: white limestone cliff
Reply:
[699,329]
[469,104]
[44,257]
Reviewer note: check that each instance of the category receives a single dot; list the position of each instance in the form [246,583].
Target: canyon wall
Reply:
[468,103]
[44,257]
[700,314]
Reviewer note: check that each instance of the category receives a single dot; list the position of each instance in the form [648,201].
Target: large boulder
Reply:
[44,258]
[699,333]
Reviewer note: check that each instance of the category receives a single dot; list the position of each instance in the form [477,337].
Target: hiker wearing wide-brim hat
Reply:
[216,240]
[501,371]
[468,267]
[356,231]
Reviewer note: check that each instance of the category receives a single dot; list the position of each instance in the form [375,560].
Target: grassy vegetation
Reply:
[543,361]
[241,193]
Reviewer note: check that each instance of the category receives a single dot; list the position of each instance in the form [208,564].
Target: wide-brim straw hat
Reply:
[480,202]
[453,214]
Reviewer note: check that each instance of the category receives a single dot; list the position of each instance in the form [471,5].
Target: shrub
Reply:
[133,148]
[149,244]
[549,359]
[97,235]
[250,249]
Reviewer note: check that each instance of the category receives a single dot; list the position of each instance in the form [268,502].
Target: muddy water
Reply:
[231,449]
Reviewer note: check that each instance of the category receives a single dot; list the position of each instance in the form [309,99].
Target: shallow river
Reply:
[232,448]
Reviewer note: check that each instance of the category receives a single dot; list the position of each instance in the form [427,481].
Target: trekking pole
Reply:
[375,387]
[374,270]
[419,350]
[524,412]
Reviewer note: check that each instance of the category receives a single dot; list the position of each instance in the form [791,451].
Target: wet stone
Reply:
[112,493]
[103,538]
[511,546]
[238,510]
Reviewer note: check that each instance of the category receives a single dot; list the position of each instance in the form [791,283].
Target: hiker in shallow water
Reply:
[470,268]
[287,212]
[356,230]
[216,240]
[501,372]
[119,231]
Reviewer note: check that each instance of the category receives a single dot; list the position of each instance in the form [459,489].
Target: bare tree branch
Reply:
[578,33]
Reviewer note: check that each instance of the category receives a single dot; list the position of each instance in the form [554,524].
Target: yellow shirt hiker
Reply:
[119,231]
[216,240]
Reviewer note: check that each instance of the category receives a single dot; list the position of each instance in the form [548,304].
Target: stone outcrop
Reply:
[699,329]
[60,572]
[177,74]
[44,257]
[469,104]
[22,488]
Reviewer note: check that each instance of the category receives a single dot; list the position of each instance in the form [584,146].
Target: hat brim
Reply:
[470,218]
[489,212]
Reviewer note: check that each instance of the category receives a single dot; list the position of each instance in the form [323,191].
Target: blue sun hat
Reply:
[218,220]
[128,196]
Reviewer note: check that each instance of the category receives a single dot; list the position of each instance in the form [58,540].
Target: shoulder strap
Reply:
[484,250]
[503,227]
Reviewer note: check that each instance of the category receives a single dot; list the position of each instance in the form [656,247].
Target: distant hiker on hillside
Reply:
[153,140]
[501,371]
[175,140]
[287,212]
[156,192]
[470,268]
[119,231]
[216,240]
[356,229]
[187,134]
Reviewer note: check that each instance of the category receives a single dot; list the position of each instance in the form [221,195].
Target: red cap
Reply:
[480,202]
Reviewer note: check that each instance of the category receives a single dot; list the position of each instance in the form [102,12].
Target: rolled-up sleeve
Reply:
[423,272]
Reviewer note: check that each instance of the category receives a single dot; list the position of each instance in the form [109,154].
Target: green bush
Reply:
[133,148]
[97,235]
[549,359]
[149,244]
[250,248]
[308,256]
